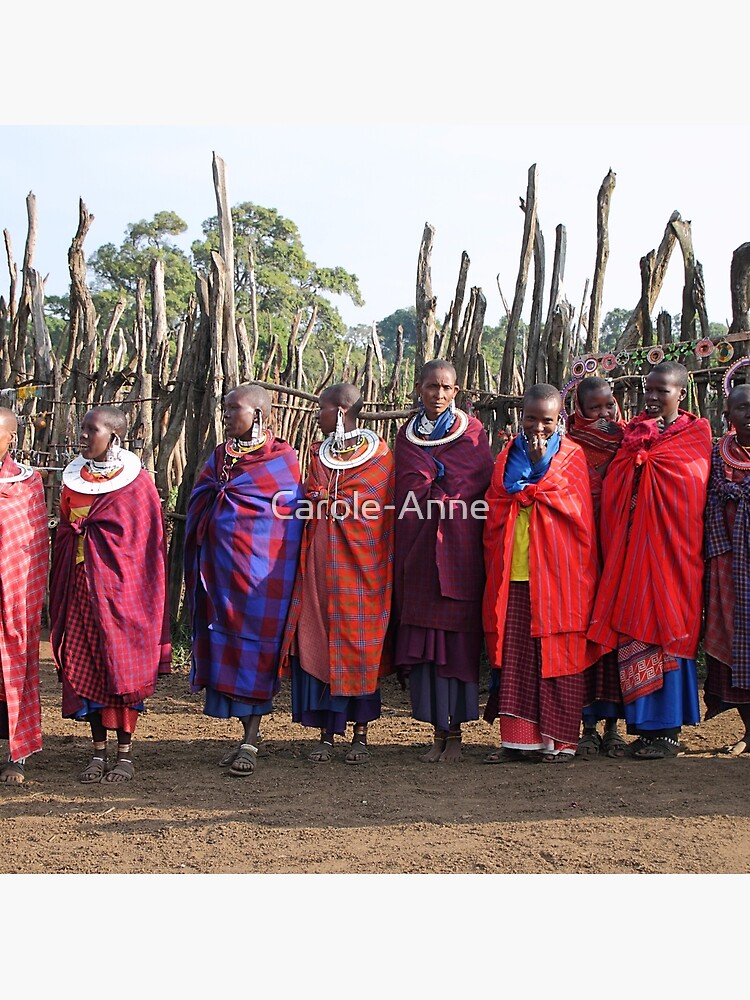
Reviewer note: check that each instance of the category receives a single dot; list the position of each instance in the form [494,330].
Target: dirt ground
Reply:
[394,814]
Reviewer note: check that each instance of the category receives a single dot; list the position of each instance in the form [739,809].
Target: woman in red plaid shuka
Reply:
[24,540]
[109,619]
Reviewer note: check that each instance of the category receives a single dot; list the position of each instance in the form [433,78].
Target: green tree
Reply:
[117,269]
[286,280]
[612,327]
[388,333]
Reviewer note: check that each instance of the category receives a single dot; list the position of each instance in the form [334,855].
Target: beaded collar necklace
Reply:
[332,458]
[236,447]
[462,420]
[25,471]
[103,477]
[730,460]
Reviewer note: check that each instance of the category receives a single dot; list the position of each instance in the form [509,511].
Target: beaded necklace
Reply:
[734,463]
[96,472]
[330,456]
[236,448]
[461,419]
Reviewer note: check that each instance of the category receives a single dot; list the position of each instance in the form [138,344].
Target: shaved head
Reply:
[594,383]
[438,365]
[255,396]
[113,418]
[8,427]
[542,391]
[674,370]
[345,395]
[738,392]
[8,420]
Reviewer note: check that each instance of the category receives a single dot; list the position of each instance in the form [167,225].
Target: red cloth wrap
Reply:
[562,561]
[24,542]
[652,577]
[359,572]
[599,446]
[125,560]
[439,567]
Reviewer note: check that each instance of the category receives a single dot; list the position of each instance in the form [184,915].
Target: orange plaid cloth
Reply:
[358,572]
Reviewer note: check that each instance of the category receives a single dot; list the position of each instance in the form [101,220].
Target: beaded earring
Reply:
[257,426]
[113,451]
[339,435]
[13,446]
[561,425]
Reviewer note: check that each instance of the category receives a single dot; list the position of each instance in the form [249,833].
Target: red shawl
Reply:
[562,560]
[24,542]
[359,570]
[125,560]
[653,567]
[439,566]
[599,446]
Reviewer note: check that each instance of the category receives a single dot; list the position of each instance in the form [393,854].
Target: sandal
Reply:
[613,745]
[322,753]
[358,753]
[248,755]
[637,746]
[12,773]
[94,771]
[659,748]
[510,755]
[560,757]
[589,745]
[124,770]
[229,758]
[738,748]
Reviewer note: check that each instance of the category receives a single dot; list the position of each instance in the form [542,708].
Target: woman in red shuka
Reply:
[541,561]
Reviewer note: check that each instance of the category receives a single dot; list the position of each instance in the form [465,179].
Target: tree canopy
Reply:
[285,279]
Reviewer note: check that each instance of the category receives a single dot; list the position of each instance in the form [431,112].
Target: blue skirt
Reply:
[313,704]
[222,706]
[676,704]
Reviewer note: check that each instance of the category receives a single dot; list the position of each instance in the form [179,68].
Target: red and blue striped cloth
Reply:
[731,487]
[358,572]
[240,555]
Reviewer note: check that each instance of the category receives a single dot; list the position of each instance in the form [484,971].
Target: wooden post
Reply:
[425,301]
[527,247]
[602,255]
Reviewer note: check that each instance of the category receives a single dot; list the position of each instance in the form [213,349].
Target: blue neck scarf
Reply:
[442,425]
[519,470]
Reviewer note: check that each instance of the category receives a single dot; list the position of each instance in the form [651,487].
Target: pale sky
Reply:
[409,117]
[361,195]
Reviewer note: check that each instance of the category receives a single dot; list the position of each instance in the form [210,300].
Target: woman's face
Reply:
[95,437]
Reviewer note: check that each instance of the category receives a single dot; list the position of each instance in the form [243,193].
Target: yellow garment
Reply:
[519,560]
[76,513]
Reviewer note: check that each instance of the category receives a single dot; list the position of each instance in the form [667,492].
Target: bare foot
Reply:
[436,750]
[452,752]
